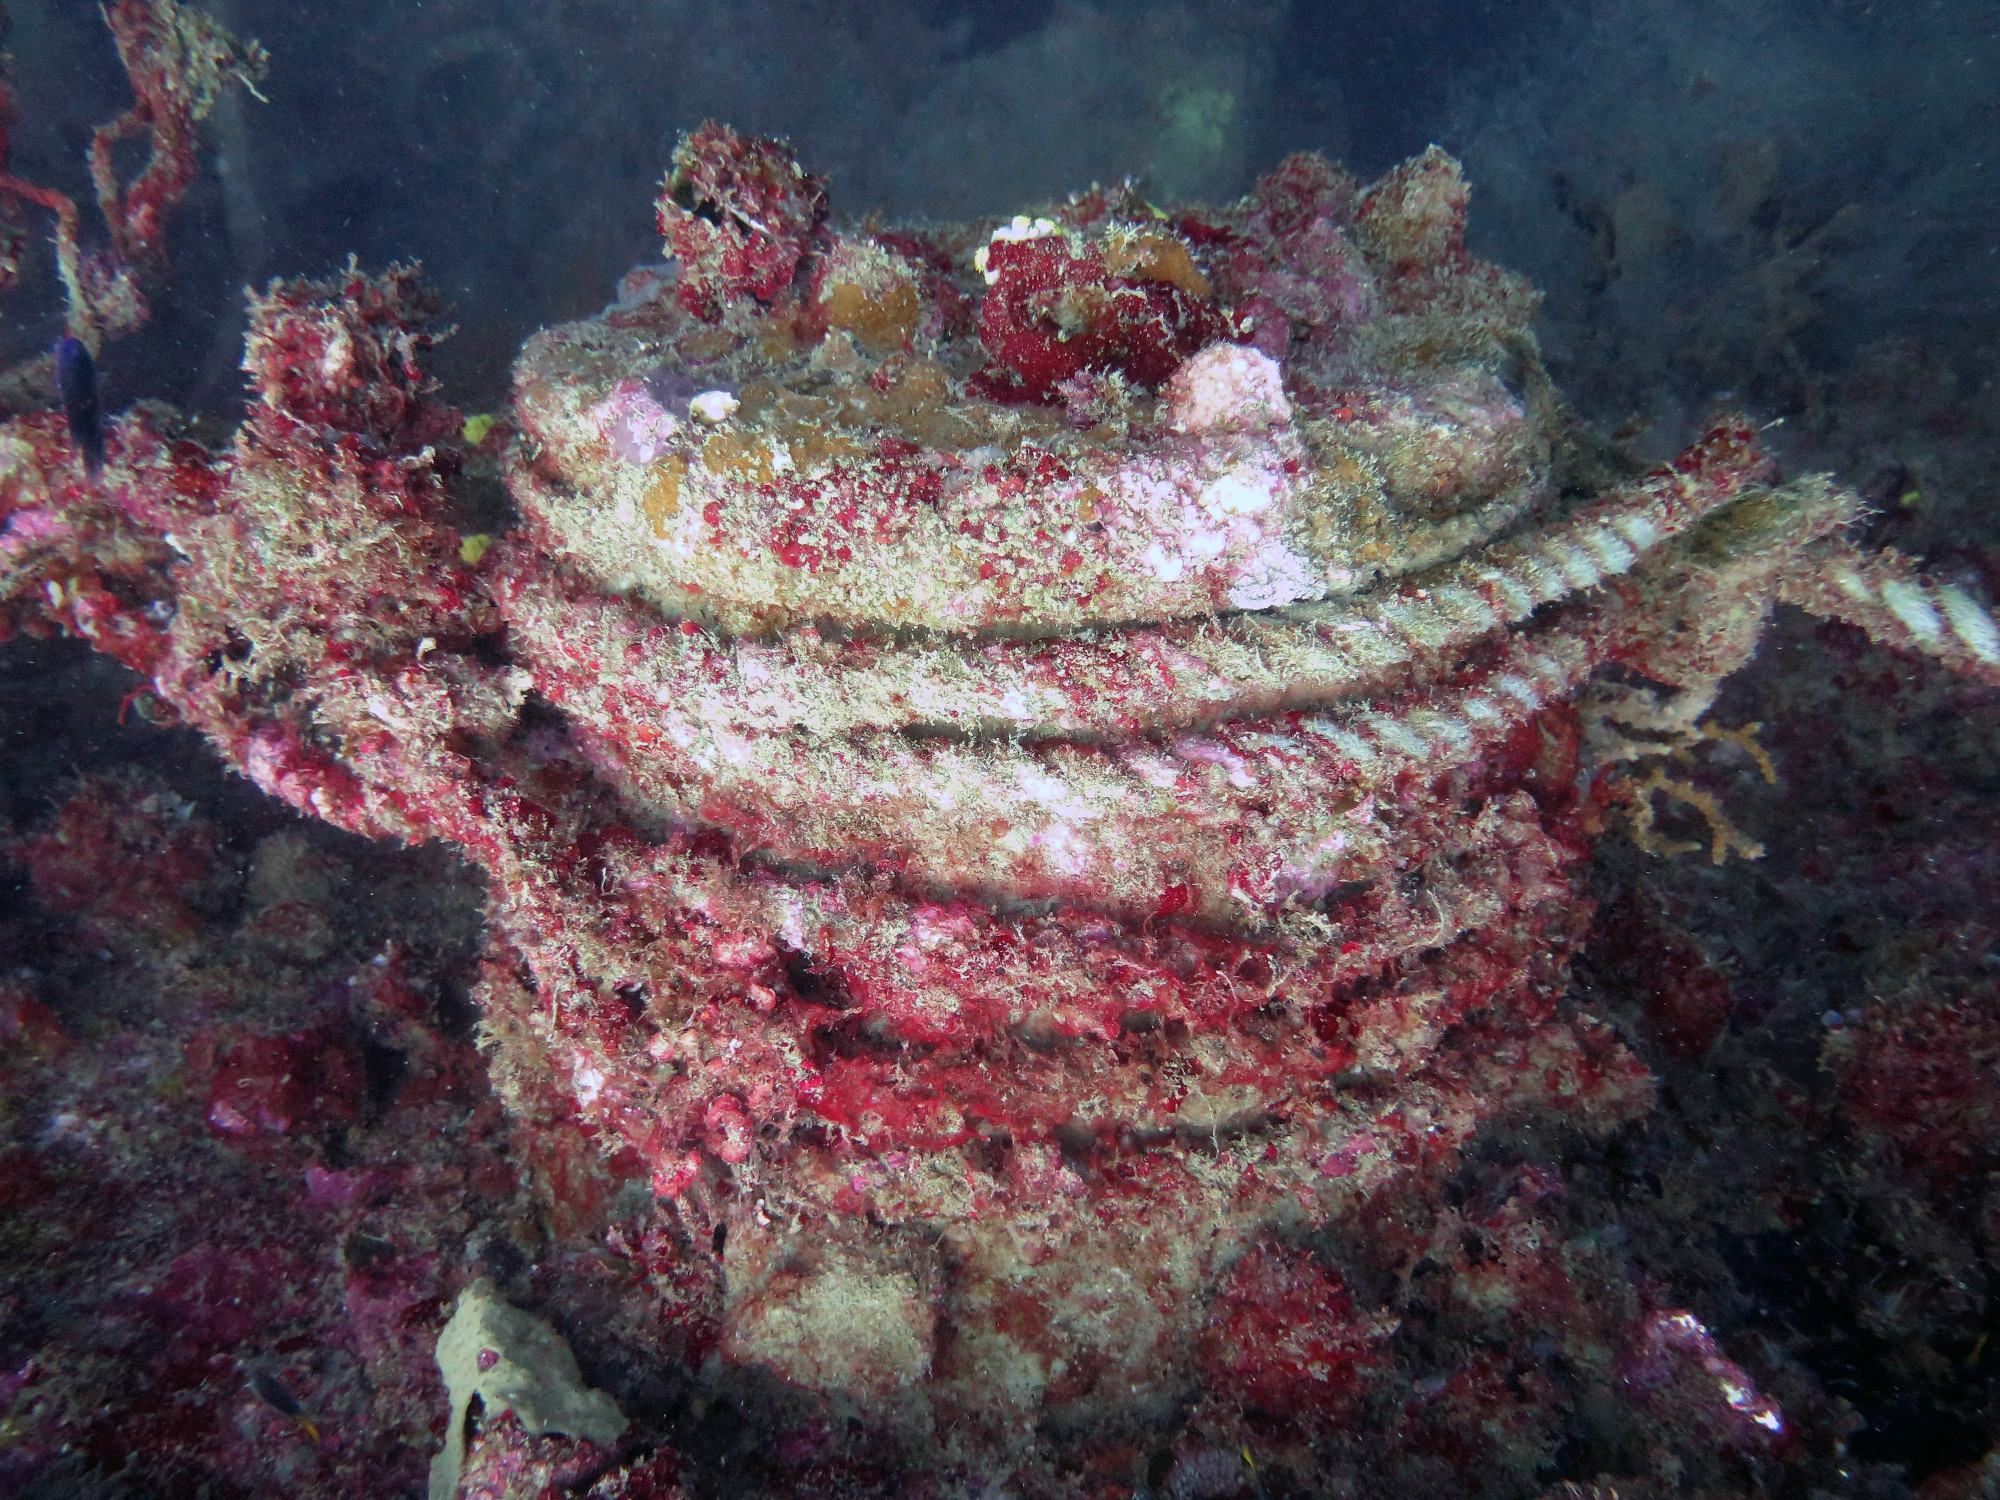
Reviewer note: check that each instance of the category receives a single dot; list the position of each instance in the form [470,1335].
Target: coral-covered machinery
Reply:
[1030,774]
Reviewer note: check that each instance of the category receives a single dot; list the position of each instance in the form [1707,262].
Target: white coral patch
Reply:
[1240,494]
[1168,567]
[1611,553]
[635,426]
[1637,530]
[792,930]
[1577,568]
[1061,848]
[1204,544]
[1053,793]
[1275,575]
[1019,228]
[1397,735]
[1519,600]
[1205,751]
[338,358]
[933,927]
[1228,388]
[1345,740]
[1466,608]
[1154,770]
[1314,872]
[756,671]
[1853,585]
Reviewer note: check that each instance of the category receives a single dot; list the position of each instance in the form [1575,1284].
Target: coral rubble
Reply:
[1036,782]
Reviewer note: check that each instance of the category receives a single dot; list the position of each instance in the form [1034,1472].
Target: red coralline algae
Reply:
[130,862]
[739,216]
[299,1233]
[28,1029]
[1023,834]
[1687,1001]
[1133,303]
[344,358]
[505,1462]
[178,62]
[1283,1337]
[1917,1083]
[305,1081]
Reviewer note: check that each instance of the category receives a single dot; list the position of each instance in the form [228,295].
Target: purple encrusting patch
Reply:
[635,424]
[640,417]
[674,389]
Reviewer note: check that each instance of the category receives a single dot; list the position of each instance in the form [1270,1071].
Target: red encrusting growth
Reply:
[1055,309]
[129,862]
[740,215]
[278,1084]
[343,357]
[1283,1337]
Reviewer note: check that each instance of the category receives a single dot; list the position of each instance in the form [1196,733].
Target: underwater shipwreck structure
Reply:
[1035,783]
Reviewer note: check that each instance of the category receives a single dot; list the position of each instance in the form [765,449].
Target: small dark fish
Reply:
[76,378]
[275,1394]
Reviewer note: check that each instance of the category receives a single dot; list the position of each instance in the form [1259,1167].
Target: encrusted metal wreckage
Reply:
[1029,775]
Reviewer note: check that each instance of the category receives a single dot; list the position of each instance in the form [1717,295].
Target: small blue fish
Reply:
[76,378]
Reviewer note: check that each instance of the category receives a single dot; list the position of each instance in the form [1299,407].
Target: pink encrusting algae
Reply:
[1034,780]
